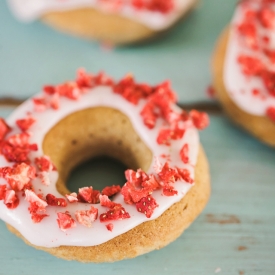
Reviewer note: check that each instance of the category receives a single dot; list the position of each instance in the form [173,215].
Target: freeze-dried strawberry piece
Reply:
[110,226]
[130,90]
[185,175]
[267,17]
[167,174]
[147,206]
[151,183]
[34,199]
[184,153]
[105,201]
[88,194]
[163,6]
[49,89]
[169,191]
[268,79]
[83,79]
[164,137]
[37,218]
[40,104]
[18,176]
[200,119]
[4,128]
[72,197]
[44,164]
[15,154]
[248,30]
[111,190]
[270,54]
[65,221]
[16,148]
[87,217]
[103,79]
[45,178]
[11,200]
[132,195]
[250,65]
[114,214]
[148,115]
[270,112]
[3,189]
[54,101]
[26,123]
[69,90]
[136,177]
[54,201]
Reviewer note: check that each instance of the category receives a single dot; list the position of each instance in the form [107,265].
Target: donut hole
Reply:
[87,134]
[101,171]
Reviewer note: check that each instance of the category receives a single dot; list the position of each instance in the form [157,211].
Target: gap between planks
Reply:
[209,107]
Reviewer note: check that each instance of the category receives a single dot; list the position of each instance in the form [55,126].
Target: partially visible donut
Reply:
[112,21]
[243,74]
[69,123]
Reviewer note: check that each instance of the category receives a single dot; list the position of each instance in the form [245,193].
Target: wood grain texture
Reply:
[234,234]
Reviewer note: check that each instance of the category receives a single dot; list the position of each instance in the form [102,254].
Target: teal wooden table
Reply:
[235,234]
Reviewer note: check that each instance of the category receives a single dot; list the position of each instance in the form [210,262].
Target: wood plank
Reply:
[235,234]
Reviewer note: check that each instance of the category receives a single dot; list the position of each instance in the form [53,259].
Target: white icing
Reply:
[28,10]
[47,233]
[239,86]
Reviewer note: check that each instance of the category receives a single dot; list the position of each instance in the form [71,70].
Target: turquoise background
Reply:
[235,234]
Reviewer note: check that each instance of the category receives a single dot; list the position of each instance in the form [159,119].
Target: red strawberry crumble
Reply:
[110,226]
[26,123]
[65,221]
[53,201]
[11,199]
[146,206]
[4,129]
[87,217]
[111,190]
[114,214]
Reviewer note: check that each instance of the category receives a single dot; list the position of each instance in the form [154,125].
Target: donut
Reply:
[110,21]
[243,73]
[166,186]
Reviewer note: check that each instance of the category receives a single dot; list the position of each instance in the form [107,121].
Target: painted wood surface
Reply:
[234,235]
[33,54]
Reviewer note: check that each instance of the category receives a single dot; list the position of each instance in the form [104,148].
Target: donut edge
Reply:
[260,127]
[92,24]
[148,236]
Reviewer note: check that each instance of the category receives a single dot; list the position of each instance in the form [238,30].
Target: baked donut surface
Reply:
[111,22]
[249,103]
[90,117]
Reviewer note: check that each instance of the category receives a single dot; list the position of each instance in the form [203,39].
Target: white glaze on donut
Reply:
[28,10]
[47,233]
[238,85]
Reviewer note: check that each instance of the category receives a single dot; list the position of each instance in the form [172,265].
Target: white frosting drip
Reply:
[238,85]
[28,10]
[47,233]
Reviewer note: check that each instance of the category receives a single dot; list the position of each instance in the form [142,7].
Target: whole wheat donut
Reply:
[50,134]
[111,21]
[242,69]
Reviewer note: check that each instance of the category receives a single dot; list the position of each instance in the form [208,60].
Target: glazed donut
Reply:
[112,21]
[244,77]
[48,135]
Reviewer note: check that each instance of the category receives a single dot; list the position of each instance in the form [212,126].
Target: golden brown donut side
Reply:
[150,235]
[259,126]
[96,25]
